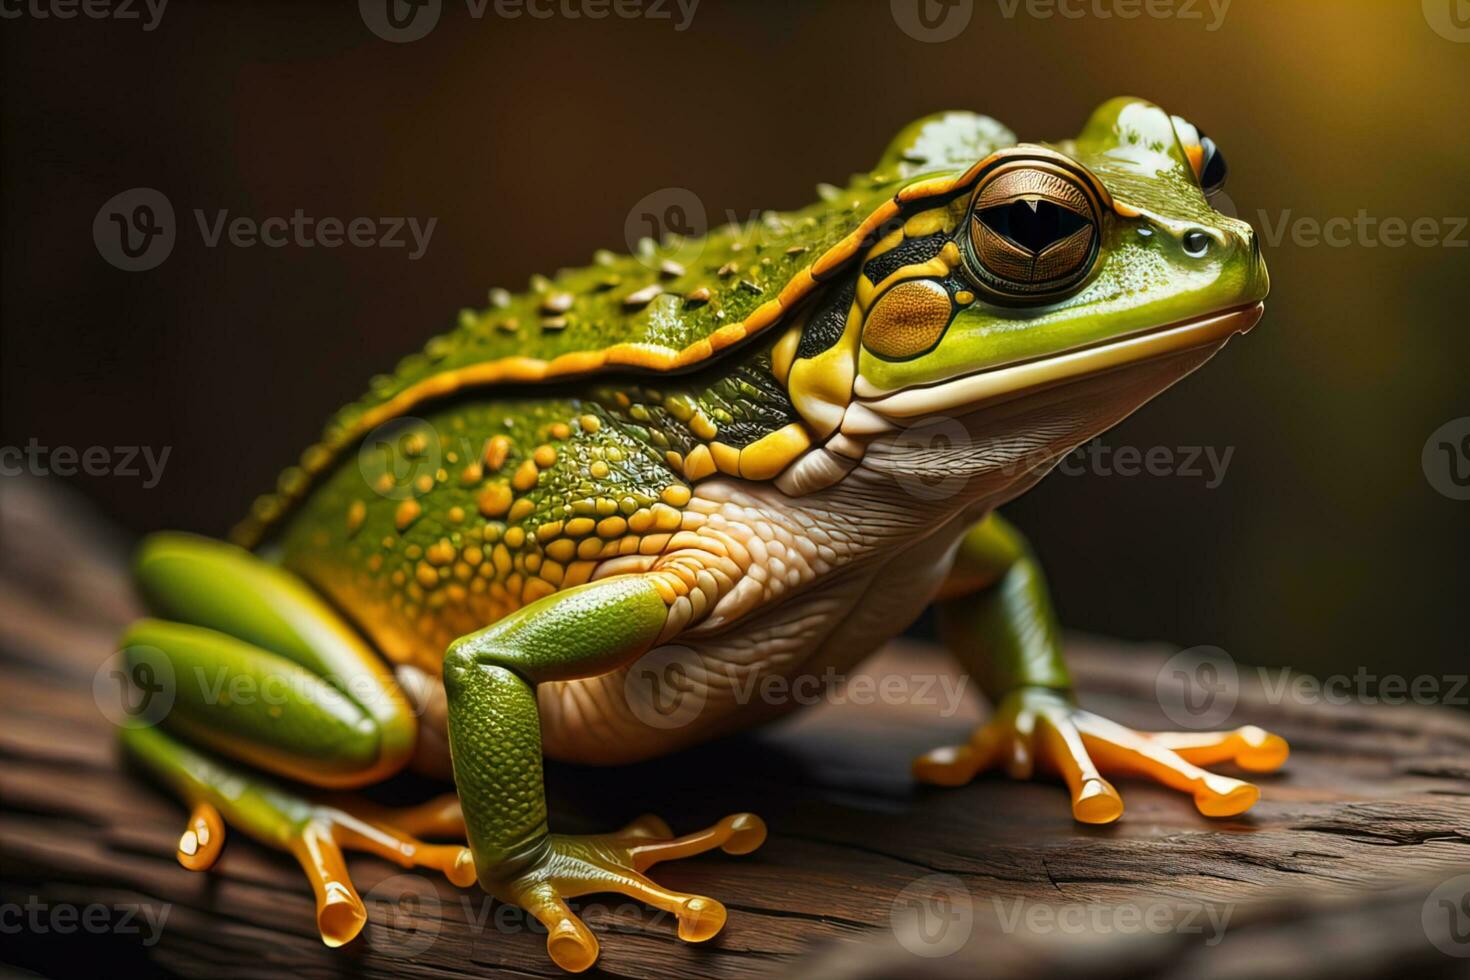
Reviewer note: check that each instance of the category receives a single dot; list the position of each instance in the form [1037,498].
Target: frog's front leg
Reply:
[997,617]
[495,744]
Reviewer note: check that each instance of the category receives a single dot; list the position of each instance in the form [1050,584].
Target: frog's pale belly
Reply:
[873,553]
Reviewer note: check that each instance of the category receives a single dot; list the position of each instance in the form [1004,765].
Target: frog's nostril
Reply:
[1196,244]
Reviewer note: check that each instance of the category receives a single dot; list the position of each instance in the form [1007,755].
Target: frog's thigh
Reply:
[263,670]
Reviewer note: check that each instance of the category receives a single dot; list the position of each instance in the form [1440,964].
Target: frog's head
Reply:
[1038,267]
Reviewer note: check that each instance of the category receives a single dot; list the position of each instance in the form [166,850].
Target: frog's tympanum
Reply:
[762,457]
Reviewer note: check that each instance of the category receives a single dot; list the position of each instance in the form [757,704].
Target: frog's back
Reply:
[502,461]
[455,518]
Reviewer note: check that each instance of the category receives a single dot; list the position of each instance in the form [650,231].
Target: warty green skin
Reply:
[402,562]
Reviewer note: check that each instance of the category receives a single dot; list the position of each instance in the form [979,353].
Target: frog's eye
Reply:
[1033,232]
[1212,169]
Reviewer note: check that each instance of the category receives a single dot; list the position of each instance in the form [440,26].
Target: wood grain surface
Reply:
[1347,867]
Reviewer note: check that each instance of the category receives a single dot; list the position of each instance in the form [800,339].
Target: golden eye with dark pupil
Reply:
[1033,232]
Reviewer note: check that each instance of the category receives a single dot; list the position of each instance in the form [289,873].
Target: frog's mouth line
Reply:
[1002,384]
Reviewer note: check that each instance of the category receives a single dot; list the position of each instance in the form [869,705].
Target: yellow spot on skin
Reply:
[413,552]
[666,518]
[589,423]
[653,544]
[590,548]
[552,573]
[560,430]
[494,500]
[471,475]
[514,537]
[473,555]
[521,510]
[424,483]
[699,463]
[784,353]
[727,458]
[456,515]
[501,558]
[598,469]
[641,521]
[611,527]
[702,427]
[562,550]
[441,552]
[964,297]
[407,513]
[525,476]
[772,453]
[924,223]
[544,457]
[676,495]
[674,459]
[580,527]
[532,562]
[607,506]
[578,573]
[496,449]
[427,575]
[384,484]
[548,531]
[536,589]
[415,443]
[356,514]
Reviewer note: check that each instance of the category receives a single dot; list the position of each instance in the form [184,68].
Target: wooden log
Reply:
[1334,873]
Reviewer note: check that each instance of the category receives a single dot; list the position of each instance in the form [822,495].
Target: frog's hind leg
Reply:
[263,672]
[316,835]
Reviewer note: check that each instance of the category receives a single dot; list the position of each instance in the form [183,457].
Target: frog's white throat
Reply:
[989,435]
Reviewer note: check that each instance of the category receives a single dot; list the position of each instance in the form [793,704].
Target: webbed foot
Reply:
[567,866]
[1042,727]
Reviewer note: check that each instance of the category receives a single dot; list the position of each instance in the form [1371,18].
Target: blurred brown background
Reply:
[530,139]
